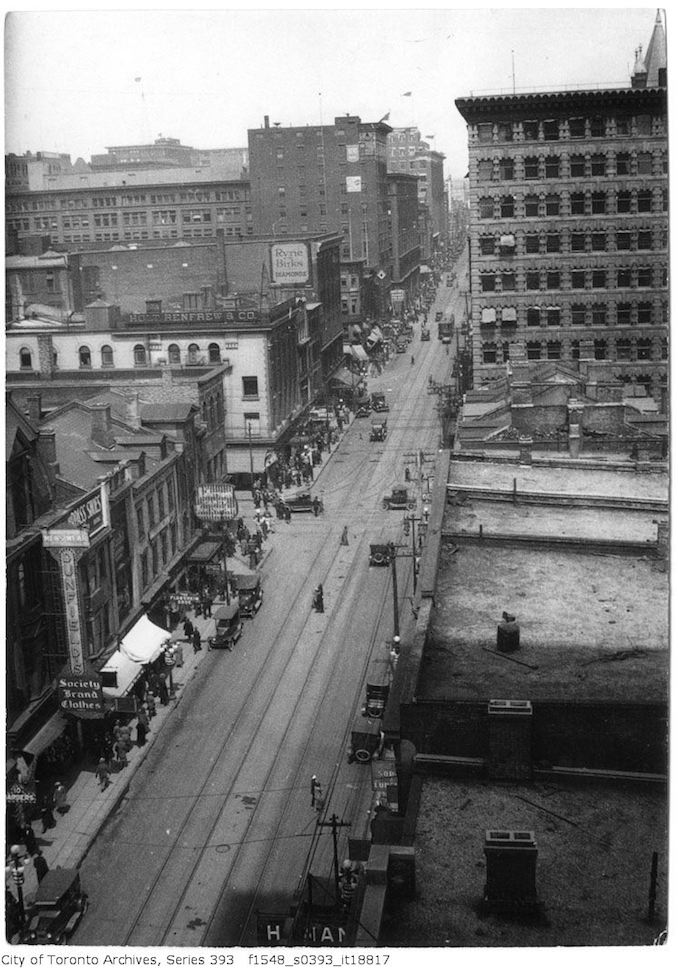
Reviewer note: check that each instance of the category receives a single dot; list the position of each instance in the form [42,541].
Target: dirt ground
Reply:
[595,846]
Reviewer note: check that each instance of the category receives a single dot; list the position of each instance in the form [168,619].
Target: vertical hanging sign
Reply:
[67,547]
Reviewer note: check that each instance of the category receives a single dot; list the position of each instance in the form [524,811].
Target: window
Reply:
[531,168]
[485,133]
[623,349]
[600,349]
[644,163]
[25,358]
[532,279]
[487,281]
[577,127]
[139,355]
[597,127]
[553,204]
[578,314]
[644,124]
[141,526]
[577,166]
[552,166]
[644,239]
[84,357]
[193,351]
[554,349]
[578,242]
[598,279]
[622,126]
[485,169]
[489,353]
[531,206]
[553,279]
[250,386]
[574,349]
[531,130]
[644,314]
[644,349]
[644,277]
[598,166]
[508,281]
[623,241]
[623,278]
[533,351]
[214,353]
[553,315]
[174,354]
[623,163]
[532,243]
[599,314]
[623,314]
[505,132]
[644,200]
[551,131]
[150,507]
[506,169]
[598,203]
[623,202]
[533,316]
[578,279]
[252,427]
[143,559]
[598,241]
[107,355]
[553,242]
[486,208]
[487,245]
[578,203]
[507,206]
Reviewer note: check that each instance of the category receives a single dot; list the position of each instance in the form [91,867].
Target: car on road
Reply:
[303,501]
[399,499]
[380,555]
[446,340]
[57,908]
[364,410]
[228,627]
[425,333]
[379,404]
[378,431]
[439,316]
[250,594]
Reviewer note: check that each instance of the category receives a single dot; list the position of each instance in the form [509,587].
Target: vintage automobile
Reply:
[380,555]
[250,594]
[378,431]
[377,685]
[57,908]
[367,740]
[228,627]
[379,404]
[303,501]
[425,333]
[439,316]
[399,499]
[401,345]
[364,410]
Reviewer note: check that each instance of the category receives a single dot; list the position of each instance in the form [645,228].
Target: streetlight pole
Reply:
[18,878]
[249,438]
[396,617]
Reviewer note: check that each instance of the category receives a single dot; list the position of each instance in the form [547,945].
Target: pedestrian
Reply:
[318,601]
[126,738]
[119,755]
[206,603]
[60,797]
[142,725]
[163,691]
[40,864]
[188,629]
[344,535]
[117,730]
[197,642]
[288,514]
[46,814]
[150,702]
[103,774]
[316,790]
[316,506]
[28,837]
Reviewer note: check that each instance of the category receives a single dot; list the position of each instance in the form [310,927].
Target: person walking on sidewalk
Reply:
[150,704]
[142,725]
[28,837]
[316,506]
[206,602]
[103,774]
[188,629]
[40,864]
[197,641]
[60,798]
[46,814]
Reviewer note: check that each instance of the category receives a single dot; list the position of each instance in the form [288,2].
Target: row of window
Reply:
[602,350]
[158,504]
[578,314]
[564,240]
[543,278]
[570,129]
[573,203]
[543,167]
[49,202]
[194,356]
[159,552]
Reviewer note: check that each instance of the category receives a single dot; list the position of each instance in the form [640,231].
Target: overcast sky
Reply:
[208,76]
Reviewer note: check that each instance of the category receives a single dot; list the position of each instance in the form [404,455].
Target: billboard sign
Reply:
[81,695]
[216,502]
[354,183]
[290,264]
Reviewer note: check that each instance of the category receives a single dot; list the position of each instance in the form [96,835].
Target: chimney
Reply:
[46,447]
[102,433]
[141,464]
[34,402]
[266,121]
[132,410]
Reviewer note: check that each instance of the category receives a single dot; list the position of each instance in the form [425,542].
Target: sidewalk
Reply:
[88,806]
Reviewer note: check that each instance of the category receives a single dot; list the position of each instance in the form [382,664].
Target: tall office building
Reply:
[569,225]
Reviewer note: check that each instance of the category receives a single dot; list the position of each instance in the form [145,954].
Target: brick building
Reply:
[407,152]
[569,225]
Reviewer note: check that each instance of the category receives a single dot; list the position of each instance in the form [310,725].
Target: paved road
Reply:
[217,824]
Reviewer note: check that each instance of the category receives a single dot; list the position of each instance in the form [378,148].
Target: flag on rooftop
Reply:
[386,117]
[407,94]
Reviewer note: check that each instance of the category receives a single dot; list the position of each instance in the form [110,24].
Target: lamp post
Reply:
[170,661]
[396,617]
[249,438]
[17,871]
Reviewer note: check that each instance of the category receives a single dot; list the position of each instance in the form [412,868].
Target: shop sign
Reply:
[126,705]
[217,316]
[19,794]
[184,599]
[81,694]
[397,295]
[65,539]
[89,515]
[213,569]
[354,183]
[216,502]
[289,263]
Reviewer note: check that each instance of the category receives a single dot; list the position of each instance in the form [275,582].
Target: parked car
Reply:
[425,333]
[398,500]
[379,404]
[250,594]
[303,501]
[228,627]
[364,410]
[439,316]
[378,432]
[380,555]
[57,908]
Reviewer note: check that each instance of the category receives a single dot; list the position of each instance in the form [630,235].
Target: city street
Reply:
[218,822]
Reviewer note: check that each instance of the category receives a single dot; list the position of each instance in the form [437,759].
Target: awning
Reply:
[52,730]
[509,316]
[236,567]
[145,641]
[123,671]
[343,377]
[424,270]
[488,315]
[359,353]
[507,241]
[206,551]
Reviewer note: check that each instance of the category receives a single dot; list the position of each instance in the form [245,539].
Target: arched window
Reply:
[174,353]
[84,357]
[107,355]
[214,353]
[25,358]
[139,355]
[193,351]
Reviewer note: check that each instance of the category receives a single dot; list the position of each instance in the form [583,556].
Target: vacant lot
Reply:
[595,849]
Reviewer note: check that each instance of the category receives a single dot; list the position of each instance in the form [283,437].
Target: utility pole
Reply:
[249,438]
[334,822]
[396,617]
[410,520]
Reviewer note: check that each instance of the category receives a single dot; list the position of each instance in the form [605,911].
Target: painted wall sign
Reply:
[89,515]
[216,502]
[290,263]
[81,694]
[65,539]
[216,316]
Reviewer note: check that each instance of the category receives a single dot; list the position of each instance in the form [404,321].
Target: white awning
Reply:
[507,241]
[126,672]
[423,270]
[359,353]
[488,315]
[145,641]
[508,316]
